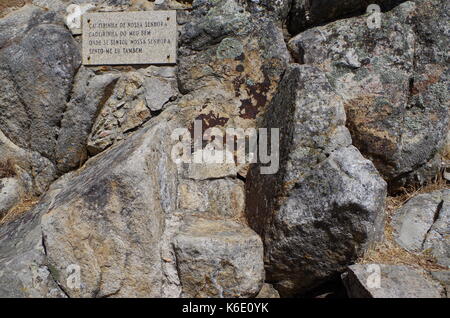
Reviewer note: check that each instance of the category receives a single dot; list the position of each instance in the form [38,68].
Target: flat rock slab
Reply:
[116,38]
[389,281]
[219,259]
[422,225]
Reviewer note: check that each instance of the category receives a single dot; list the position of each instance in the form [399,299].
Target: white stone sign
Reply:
[117,38]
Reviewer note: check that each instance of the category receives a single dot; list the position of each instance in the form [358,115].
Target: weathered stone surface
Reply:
[38,60]
[443,277]
[278,9]
[124,110]
[395,282]
[159,91]
[33,170]
[130,103]
[223,198]
[11,191]
[394,84]
[90,92]
[108,217]
[422,225]
[308,13]
[219,259]
[150,43]
[117,217]
[267,291]
[230,63]
[326,204]
[24,271]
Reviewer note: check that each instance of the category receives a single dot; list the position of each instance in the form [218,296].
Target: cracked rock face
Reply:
[326,204]
[394,84]
[422,225]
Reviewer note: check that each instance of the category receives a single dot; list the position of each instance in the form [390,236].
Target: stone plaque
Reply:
[144,37]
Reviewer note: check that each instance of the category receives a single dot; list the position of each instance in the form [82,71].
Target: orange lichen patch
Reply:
[388,251]
[20,209]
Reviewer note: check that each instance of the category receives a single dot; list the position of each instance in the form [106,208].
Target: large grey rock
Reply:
[422,225]
[122,220]
[308,13]
[24,271]
[394,83]
[109,217]
[33,170]
[230,64]
[325,205]
[11,191]
[390,281]
[38,61]
[219,259]
[90,92]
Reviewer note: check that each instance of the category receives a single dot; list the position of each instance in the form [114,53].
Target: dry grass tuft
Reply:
[23,207]
[7,169]
[388,251]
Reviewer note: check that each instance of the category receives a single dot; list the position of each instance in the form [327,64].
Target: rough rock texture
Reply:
[308,13]
[130,104]
[267,291]
[443,277]
[422,225]
[278,9]
[89,94]
[24,271]
[38,59]
[361,281]
[136,223]
[325,204]
[33,170]
[219,259]
[230,63]
[109,218]
[394,83]
[11,191]
[117,219]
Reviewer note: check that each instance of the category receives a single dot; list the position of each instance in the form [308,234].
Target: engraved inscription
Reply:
[114,38]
